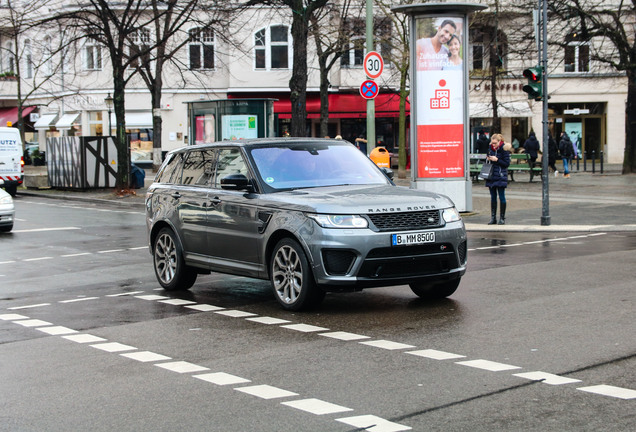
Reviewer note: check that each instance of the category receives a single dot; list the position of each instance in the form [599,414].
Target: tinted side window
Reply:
[171,172]
[198,168]
[230,162]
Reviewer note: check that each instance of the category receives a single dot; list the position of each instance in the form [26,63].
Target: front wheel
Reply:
[171,271]
[292,280]
[434,291]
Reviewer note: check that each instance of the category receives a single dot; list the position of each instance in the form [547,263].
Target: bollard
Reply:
[601,161]
[578,159]
[585,160]
[593,161]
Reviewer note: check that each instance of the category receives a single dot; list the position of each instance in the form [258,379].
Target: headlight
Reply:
[339,221]
[451,215]
[6,200]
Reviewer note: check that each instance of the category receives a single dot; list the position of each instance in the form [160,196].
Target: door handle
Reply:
[175,195]
[214,201]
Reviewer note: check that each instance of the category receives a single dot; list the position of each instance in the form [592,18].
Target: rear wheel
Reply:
[432,291]
[11,189]
[170,269]
[292,280]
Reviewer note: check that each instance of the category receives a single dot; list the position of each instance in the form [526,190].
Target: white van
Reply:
[11,159]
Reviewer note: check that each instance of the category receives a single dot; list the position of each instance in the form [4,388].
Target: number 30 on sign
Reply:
[373,64]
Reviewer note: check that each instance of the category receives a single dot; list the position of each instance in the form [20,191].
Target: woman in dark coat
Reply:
[499,156]
[553,153]
[532,148]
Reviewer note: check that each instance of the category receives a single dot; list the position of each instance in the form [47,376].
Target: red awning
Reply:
[11,114]
[341,105]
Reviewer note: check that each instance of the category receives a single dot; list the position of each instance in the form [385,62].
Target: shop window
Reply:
[272,48]
[201,49]
[140,144]
[95,123]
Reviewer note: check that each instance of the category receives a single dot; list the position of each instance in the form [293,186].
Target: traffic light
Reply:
[534,88]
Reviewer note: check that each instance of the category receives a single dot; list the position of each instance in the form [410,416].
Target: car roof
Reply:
[263,142]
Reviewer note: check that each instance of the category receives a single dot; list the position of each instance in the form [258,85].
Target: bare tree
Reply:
[608,28]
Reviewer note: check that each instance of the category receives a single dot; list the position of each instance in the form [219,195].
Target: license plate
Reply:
[414,238]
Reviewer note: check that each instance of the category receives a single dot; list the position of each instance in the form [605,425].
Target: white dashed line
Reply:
[488,365]
[182,367]
[84,338]
[110,251]
[146,356]
[33,323]
[387,345]
[37,259]
[125,294]
[113,347]
[12,317]
[345,336]
[79,300]
[205,307]
[75,255]
[546,378]
[57,330]
[316,406]
[221,378]
[235,313]
[305,328]
[373,423]
[151,297]
[435,355]
[177,302]
[29,306]
[268,320]
[266,391]
[607,390]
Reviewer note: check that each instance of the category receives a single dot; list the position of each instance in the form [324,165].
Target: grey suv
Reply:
[310,215]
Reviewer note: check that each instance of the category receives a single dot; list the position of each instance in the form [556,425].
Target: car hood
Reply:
[357,199]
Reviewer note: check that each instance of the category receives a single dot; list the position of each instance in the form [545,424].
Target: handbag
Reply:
[486,171]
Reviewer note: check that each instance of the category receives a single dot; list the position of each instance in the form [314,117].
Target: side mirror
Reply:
[236,182]
[388,172]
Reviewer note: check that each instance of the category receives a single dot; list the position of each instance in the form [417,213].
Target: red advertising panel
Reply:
[440,97]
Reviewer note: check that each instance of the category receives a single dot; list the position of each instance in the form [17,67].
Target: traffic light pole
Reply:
[545,211]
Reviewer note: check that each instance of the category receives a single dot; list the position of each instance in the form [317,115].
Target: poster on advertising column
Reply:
[440,97]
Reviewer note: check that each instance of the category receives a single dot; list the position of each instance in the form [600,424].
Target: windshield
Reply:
[314,165]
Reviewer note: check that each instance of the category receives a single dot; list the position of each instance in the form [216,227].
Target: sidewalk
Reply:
[585,202]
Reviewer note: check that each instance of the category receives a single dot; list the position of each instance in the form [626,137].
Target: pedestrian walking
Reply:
[553,153]
[499,156]
[532,148]
[567,153]
[482,142]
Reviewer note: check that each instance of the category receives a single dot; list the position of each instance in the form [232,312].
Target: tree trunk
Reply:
[298,81]
[324,98]
[157,121]
[629,161]
[122,180]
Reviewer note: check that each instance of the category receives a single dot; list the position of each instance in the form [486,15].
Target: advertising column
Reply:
[439,99]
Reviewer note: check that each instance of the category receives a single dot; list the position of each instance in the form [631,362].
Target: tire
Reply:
[434,291]
[6,228]
[11,189]
[167,256]
[292,280]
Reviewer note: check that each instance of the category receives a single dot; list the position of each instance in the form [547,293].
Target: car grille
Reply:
[405,220]
[409,261]
[463,255]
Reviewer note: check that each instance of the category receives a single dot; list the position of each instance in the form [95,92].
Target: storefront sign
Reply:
[440,102]
[239,127]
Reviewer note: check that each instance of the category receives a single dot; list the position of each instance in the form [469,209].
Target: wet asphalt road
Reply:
[224,357]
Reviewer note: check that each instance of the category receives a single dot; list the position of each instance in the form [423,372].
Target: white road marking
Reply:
[146,356]
[316,406]
[435,355]
[12,317]
[487,365]
[78,300]
[177,302]
[125,294]
[221,378]
[345,336]
[84,338]
[546,378]
[113,347]
[373,423]
[266,391]
[7,262]
[109,251]
[268,320]
[138,248]
[33,323]
[607,390]
[76,254]
[235,313]
[388,345]
[29,306]
[151,297]
[57,330]
[305,328]
[37,259]
[45,229]
[205,307]
[182,367]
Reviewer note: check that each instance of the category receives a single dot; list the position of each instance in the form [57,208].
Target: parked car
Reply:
[310,215]
[7,210]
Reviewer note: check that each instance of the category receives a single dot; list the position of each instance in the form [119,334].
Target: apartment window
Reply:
[10,58]
[489,48]
[28,59]
[353,54]
[201,48]
[139,47]
[92,56]
[577,57]
[272,48]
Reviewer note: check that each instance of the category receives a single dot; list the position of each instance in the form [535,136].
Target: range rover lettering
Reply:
[310,215]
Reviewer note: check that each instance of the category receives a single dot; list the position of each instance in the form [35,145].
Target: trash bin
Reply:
[381,157]
[138,177]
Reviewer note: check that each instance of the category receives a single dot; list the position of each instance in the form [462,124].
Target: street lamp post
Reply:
[109,105]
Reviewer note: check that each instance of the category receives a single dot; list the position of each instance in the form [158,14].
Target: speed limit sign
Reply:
[373,64]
